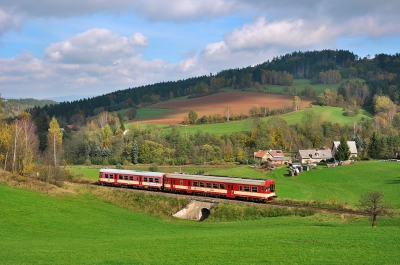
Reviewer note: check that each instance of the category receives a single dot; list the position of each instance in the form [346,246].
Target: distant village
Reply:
[304,159]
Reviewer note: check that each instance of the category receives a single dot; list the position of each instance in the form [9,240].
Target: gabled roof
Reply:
[260,153]
[273,153]
[276,153]
[315,153]
[351,144]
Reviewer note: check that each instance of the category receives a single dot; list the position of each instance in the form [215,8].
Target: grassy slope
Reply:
[80,229]
[342,184]
[333,114]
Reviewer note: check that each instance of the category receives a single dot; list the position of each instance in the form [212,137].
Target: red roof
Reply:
[276,153]
[260,153]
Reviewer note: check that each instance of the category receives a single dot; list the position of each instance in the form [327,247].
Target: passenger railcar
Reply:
[131,178]
[250,189]
[235,188]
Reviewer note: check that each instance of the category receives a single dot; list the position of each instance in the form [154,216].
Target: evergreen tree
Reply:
[343,151]
[135,152]
[374,147]
[87,150]
[106,152]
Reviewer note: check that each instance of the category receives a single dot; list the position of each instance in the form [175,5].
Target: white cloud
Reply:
[98,46]
[263,34]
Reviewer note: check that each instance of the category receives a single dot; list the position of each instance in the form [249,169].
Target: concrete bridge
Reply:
[197,210]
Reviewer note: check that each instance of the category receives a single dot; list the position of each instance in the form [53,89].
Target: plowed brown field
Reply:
[239,101]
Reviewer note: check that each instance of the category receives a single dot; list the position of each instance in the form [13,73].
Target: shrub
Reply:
[153,168]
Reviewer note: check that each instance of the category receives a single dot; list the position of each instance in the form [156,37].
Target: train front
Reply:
[269,188]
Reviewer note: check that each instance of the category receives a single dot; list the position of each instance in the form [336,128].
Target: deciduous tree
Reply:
[372,203]
[54,140]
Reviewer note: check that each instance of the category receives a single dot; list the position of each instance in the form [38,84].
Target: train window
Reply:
[145,179]
[130,177]
[125,177]
[194,183]
[157,180]
[254,189]
[151,180]
[215,185]
[246,188]
[222,186]
[208,185]
[202,184]
[272,187]
[181,182]
[240,187]
[106,176]
[111,176]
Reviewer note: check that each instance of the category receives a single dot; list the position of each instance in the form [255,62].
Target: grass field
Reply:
[81,229]
[342,184]
[332,114]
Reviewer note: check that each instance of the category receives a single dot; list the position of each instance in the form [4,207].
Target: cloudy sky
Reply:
[90,47]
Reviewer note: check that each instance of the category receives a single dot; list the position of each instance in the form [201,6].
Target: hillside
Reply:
[322,69]
[240,103]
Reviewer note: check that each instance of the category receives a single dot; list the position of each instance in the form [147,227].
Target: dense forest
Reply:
[90,131]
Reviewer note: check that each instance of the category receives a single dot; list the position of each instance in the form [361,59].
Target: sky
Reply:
[87,48]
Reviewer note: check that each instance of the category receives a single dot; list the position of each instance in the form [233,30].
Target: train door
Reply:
[116,176]
[230,191]
[139,178]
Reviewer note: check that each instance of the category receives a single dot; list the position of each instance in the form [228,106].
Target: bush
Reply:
[153,168]
[87,162]
[119,166]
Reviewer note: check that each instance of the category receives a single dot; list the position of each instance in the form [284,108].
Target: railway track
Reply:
[234,201]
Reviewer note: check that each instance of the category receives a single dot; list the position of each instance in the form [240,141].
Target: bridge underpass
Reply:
[196,210]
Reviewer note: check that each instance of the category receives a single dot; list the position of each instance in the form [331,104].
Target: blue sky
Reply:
[91,47]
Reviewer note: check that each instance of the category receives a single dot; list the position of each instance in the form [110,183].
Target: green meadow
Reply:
[342,184]
[326,113]
[83,229]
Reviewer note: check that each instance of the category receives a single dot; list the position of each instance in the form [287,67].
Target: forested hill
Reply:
[380,73]
[13,107]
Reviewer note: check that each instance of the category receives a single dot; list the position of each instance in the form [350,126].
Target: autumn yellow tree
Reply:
[54,141]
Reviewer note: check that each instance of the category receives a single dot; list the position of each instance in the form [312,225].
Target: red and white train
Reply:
[235,188]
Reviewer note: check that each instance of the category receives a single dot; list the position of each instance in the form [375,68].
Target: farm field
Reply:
[82,229]
[340,184]
[239,101]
